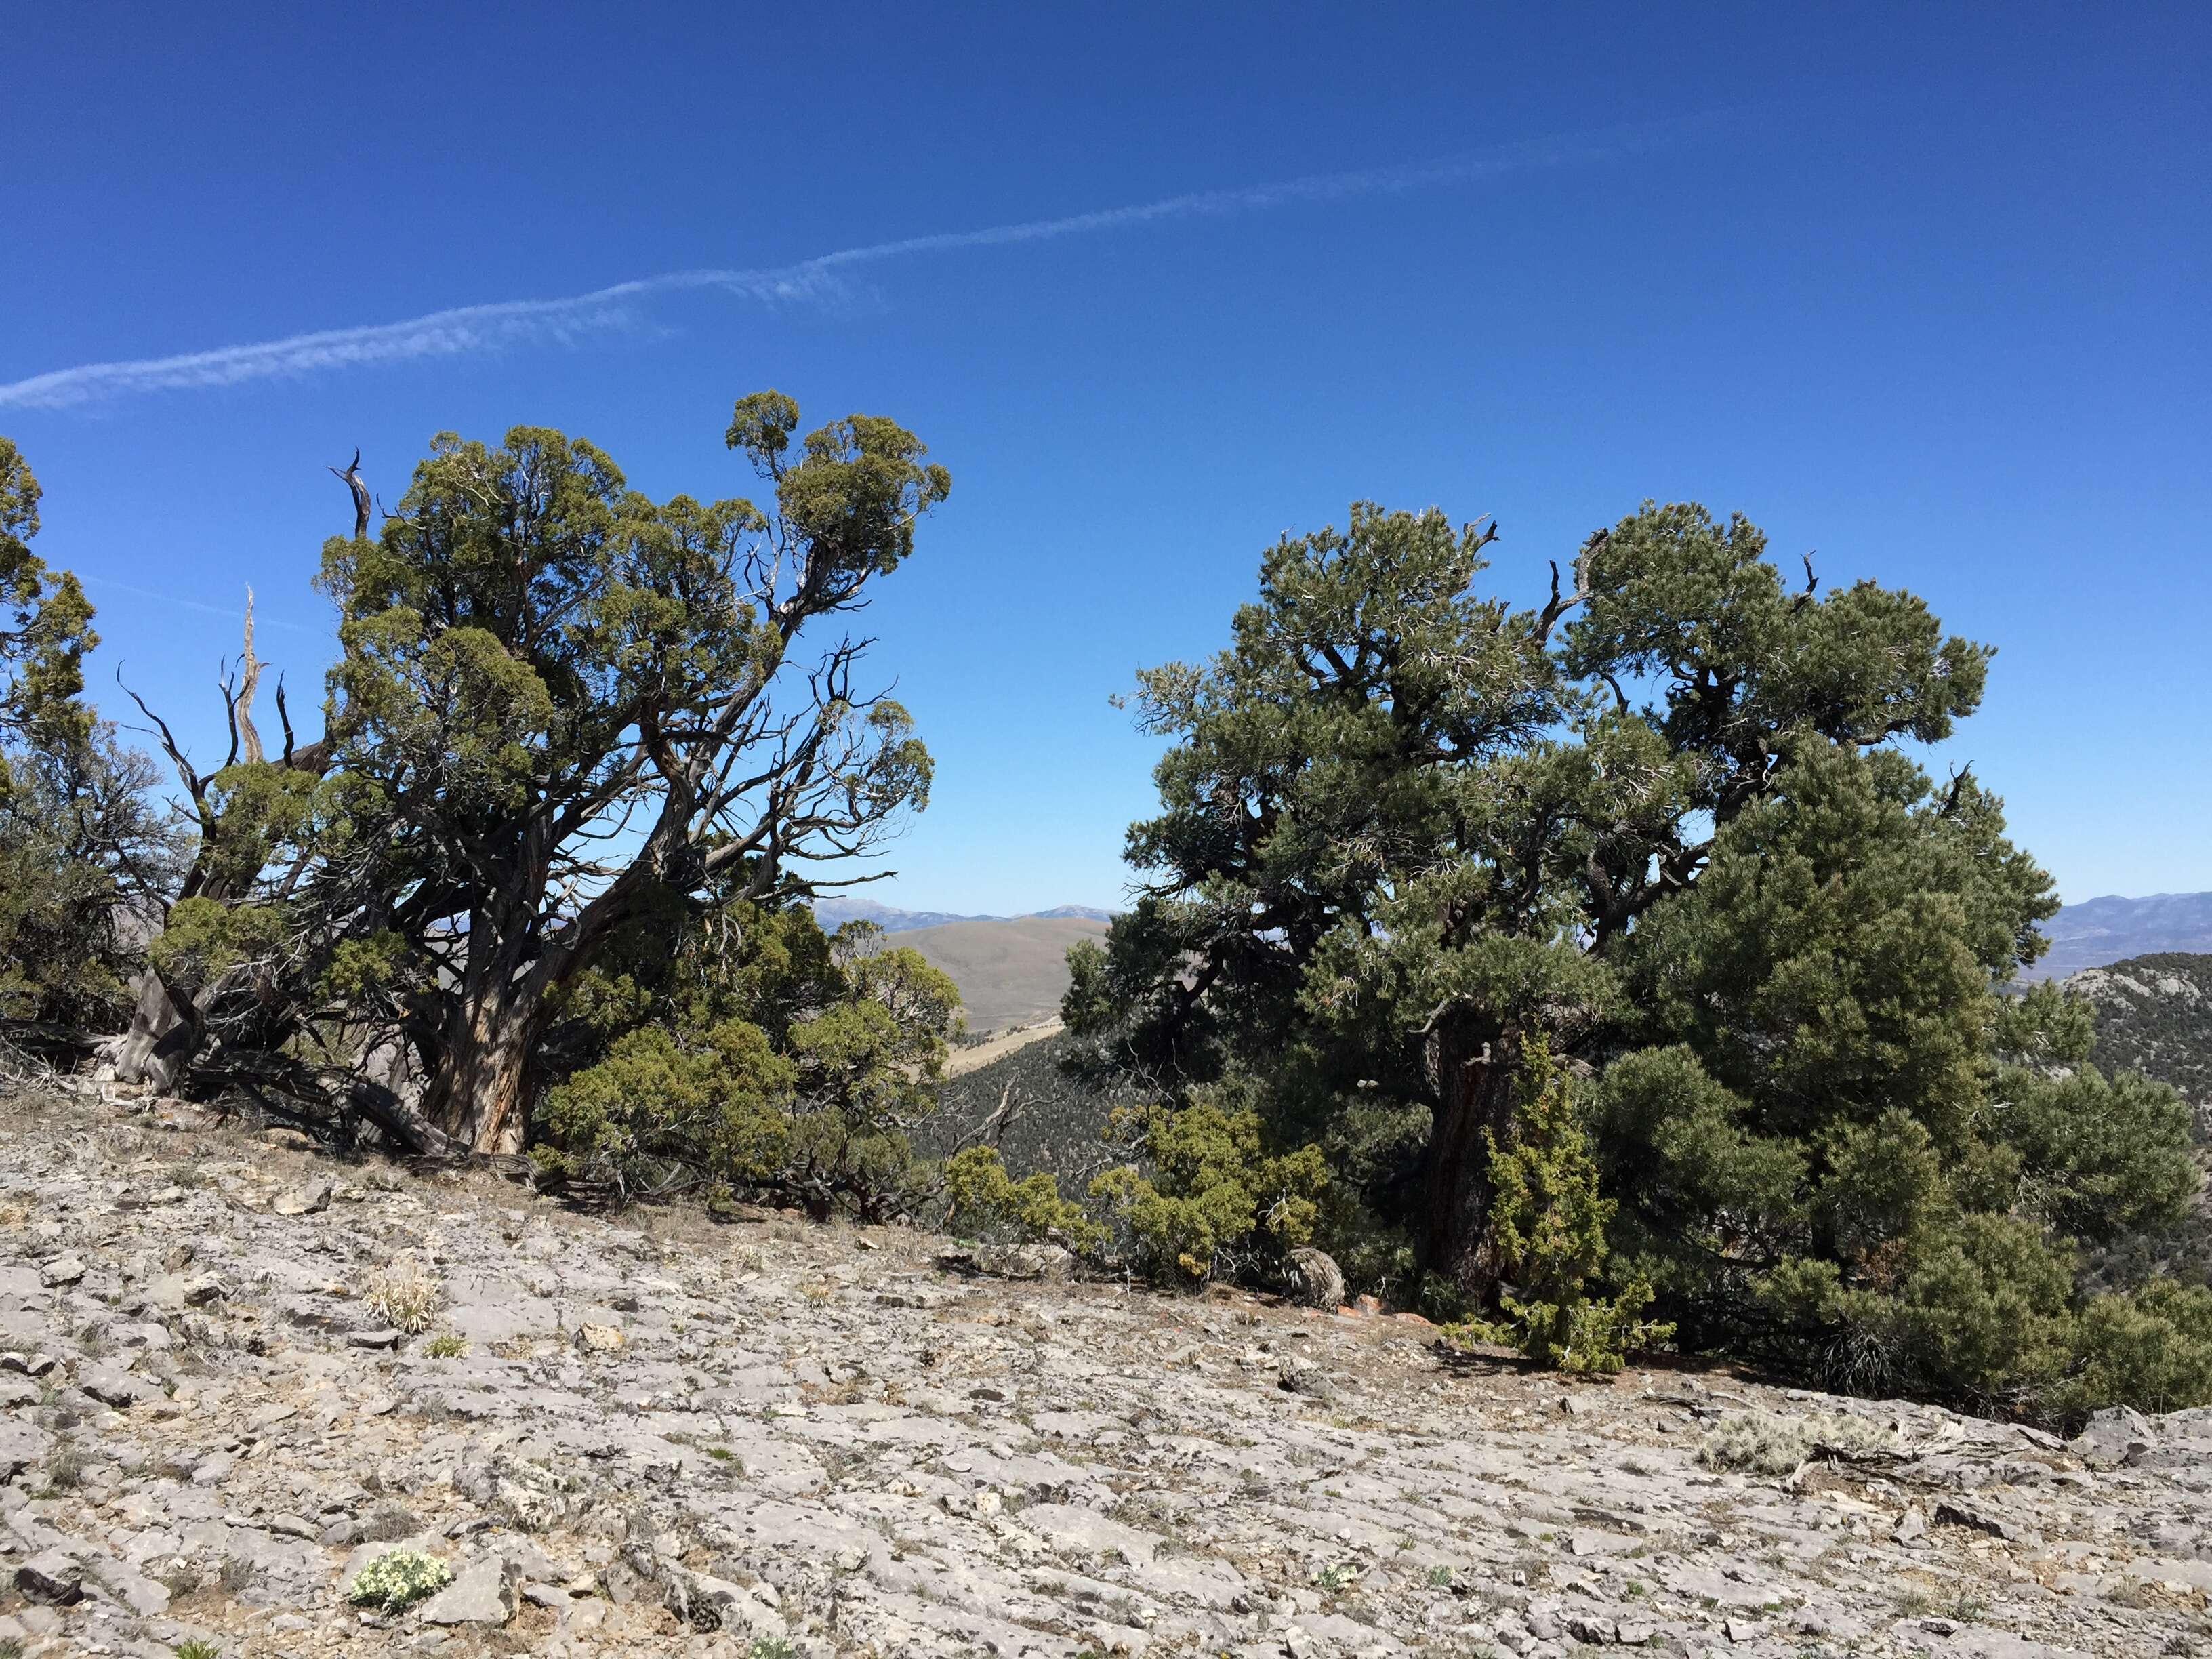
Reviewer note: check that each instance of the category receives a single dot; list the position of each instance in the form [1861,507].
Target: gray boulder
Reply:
[487,1594]
[1316,1279]
[2112,1435]
[52,1576]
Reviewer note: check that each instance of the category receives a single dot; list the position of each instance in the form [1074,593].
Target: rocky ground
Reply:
[661,1435]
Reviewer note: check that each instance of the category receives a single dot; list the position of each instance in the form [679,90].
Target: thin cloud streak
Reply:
[109,584]
[465,329]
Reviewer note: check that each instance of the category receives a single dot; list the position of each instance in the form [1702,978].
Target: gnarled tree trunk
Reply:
[1477,1089]
[479,1092]
[167,1028]
[164,1034]
[480,1096]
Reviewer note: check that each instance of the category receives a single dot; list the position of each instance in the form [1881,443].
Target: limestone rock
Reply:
[21,1445]
[112,1385]
[52,1576]
[2113,1436]
[707,1603]
[1301,1376]
[1016,1262]
[486,1594]
[1318,1281]
[775,1423]
[302,1201]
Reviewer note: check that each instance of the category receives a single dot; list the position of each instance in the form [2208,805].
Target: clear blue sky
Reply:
[1922,288]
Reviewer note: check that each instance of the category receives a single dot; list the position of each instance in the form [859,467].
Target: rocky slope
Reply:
[669,1436]
[2155,1016]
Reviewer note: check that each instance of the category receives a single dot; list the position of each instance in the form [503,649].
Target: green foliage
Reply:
[761,1055]
[252,811]
[1659,825]
[2151,1349]
[980,1193]
[46,628]
[539,662]
[1852,1156]
[206,940]
[720,1098]
[85,852]
[398,1579]
[1548,1228]
[82,843]
[1403,820]
[1212,1192]
[2150,1016]
[194,1648]
[1198,1193]
[1977,1308]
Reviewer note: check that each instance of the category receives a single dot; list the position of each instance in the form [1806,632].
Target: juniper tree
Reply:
[1405,826]
[1659,824]
[759,1054]
[45,628]
[1835,1141]
[1550,1226]
[560,708]
[563,702]
[86,853]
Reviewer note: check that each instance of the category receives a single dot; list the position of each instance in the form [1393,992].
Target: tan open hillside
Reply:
[1010,973]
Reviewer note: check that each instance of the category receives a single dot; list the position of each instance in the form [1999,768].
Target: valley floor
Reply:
[669,1436]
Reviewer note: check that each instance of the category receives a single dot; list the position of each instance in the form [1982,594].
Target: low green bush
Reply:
[1549,1223]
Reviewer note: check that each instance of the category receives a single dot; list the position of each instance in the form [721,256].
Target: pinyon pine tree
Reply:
[1660,824]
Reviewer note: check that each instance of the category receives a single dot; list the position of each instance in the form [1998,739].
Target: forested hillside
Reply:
[2155,1016]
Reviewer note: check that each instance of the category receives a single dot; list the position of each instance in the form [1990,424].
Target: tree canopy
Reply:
[1660,826]
[560,708]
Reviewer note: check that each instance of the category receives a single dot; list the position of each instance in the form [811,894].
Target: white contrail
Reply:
[109,584]
[480,327]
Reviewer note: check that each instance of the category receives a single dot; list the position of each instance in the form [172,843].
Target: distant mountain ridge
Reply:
[1012,970]
[2098,932]
[835,912]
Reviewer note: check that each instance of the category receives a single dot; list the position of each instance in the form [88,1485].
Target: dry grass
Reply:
[1760,1442]
[406,1295]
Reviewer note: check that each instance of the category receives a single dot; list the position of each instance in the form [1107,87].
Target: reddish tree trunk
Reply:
[479,1093]
[479,1097]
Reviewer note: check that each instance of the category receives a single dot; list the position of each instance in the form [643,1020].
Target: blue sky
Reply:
[1924,288]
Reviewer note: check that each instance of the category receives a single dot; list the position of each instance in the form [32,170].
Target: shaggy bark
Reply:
[1476,1091]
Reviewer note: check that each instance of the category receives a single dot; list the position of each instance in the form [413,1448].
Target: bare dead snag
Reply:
[241,707]
[168,1027]
[351,479]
